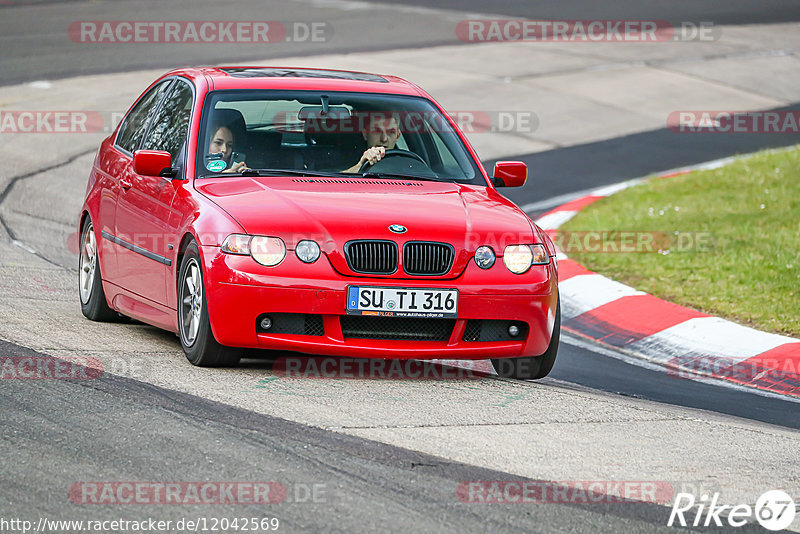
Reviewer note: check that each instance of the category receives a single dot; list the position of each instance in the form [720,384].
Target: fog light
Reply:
[266,323]
[307,251]
[513,330]
[484,257]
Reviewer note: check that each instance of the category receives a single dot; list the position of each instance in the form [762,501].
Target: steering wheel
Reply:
[395,152]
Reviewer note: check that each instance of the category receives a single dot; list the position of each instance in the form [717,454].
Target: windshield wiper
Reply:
[322,174]
[403,176]
[291,172]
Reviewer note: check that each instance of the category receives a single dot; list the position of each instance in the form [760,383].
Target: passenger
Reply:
[222,142]
[381,135]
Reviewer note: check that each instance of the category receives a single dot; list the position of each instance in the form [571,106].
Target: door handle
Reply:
[125,184]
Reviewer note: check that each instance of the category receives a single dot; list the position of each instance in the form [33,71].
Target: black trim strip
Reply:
[136,248]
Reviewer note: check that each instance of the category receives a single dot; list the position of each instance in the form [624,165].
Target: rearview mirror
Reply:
[317,112]
[153,163]
[509,174]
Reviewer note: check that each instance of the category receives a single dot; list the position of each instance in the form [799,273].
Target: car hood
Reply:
[333,211]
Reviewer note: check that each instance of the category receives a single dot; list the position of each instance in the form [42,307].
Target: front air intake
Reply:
[396,328]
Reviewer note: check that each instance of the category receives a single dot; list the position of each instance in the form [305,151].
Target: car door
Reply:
[114,169]
[145,202]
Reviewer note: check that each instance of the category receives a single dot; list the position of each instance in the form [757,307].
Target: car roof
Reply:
[260,77]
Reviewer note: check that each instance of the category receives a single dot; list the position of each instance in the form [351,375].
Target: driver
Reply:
[381,135]
[222,143]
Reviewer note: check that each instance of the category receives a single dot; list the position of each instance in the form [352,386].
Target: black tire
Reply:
[196,337]
[532,367]
[90,281]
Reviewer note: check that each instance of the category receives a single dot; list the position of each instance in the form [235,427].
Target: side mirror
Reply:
[509,174]
[153,163]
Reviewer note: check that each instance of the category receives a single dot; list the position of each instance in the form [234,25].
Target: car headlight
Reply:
[307,251]
[518,258]
[267,251]
[484,257]
[237,244]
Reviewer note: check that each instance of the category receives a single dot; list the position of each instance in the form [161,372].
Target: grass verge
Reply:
[723,241]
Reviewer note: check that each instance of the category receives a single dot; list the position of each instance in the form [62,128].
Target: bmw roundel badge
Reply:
[398,228]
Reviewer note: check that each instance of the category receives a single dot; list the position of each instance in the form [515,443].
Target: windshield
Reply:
[322,133]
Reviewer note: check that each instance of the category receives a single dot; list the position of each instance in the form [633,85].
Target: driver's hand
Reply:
[372,155]
[238,167]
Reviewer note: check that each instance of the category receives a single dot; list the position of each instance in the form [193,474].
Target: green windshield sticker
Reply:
[216,165]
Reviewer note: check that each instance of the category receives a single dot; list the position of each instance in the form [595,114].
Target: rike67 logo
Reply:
[774,510]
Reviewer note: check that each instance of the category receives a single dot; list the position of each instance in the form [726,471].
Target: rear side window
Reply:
[132,130]
[170,126]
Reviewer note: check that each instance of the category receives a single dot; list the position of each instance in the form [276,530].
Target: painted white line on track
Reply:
[553,220]
[615,188]
[552,202]
[556,201]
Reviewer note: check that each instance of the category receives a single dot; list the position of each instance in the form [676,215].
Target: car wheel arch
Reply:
[84,215]
[187,238]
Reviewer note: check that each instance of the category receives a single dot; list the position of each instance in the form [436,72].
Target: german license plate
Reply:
[402,302]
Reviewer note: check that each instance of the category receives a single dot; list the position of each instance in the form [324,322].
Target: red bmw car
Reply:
[325,212]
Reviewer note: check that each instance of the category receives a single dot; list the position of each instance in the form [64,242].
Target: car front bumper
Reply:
[238,291]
